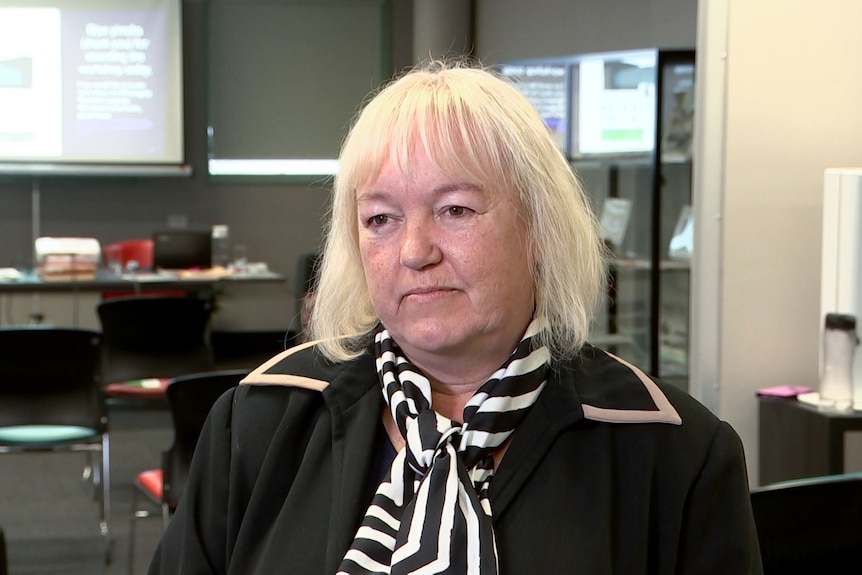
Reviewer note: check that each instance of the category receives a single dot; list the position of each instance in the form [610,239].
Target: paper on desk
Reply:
[10,274]
[208,273]
[811,398]
[145,277]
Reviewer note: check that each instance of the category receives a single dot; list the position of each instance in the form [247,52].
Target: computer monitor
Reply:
[182,249]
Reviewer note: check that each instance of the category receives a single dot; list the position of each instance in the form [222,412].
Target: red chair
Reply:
[190,399]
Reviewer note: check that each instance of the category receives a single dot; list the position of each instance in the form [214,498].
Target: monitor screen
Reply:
[90,85]
[613,103]
[596,104]
[182,249]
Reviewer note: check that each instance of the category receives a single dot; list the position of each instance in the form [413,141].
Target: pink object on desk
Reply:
[783,390]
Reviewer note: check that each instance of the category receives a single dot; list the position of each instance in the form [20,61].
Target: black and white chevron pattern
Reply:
[431,514]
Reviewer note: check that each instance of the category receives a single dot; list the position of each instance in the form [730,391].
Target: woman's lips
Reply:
[425,294]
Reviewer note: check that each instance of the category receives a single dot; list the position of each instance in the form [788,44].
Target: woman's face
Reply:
[446,261]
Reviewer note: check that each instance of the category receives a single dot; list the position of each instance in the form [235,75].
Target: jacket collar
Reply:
[606,388]
[595,385]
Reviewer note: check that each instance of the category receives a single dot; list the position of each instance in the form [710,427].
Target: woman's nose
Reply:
[419,246]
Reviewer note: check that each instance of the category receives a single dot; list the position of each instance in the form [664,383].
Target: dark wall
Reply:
[276,221]
[515,29]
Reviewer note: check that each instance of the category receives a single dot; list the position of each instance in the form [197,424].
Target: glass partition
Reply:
[626,128]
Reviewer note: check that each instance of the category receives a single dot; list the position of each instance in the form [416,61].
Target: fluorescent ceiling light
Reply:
[273,167]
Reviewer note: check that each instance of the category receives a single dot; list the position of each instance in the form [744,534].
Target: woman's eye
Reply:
[377,220]
[456,210]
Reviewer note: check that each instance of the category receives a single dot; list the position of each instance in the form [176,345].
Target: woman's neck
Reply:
[450,404]
[452,389]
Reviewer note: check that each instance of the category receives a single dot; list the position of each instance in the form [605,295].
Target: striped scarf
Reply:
[431,514]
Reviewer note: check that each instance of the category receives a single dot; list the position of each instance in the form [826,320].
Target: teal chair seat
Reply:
[45,434]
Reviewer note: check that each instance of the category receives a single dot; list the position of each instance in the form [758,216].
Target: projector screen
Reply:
[91,87]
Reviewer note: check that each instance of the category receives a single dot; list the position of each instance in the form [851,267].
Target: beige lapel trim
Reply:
[259,375]
[665,412]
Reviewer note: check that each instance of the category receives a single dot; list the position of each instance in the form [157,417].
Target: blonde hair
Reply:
[470,121]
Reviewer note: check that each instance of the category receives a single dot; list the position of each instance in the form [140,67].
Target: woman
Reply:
[450,416]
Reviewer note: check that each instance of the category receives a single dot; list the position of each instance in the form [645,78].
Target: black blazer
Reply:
[610,472]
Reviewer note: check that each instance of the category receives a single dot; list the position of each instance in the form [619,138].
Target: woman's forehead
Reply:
[406,162]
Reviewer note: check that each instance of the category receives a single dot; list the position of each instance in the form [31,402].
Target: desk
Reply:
[798,440]
[60,301]
[105,280]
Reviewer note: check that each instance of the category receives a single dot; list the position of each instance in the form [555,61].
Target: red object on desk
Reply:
[124,251]
[139,251]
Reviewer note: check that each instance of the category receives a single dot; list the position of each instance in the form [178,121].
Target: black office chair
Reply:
[811,525]
[4,562]
[146,340]
[190,398]
[305,283]
[51,400]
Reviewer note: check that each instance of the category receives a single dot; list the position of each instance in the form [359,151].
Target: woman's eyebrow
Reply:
[458,187]
[441,190]
[370,195]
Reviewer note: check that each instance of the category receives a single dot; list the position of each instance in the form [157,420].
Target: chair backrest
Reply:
[154,336]
[306,274]
[811,525]
[4,562]
[50,376]
[190,398]
[306,280]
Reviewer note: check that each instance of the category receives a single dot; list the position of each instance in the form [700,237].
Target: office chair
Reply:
[190,398]
[811,525]
[305,283]
[51,400]
[4,561]
[147,340]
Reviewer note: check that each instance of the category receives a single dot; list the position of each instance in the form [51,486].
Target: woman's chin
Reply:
[429,336]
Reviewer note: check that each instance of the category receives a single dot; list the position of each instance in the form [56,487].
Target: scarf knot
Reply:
[428,434]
